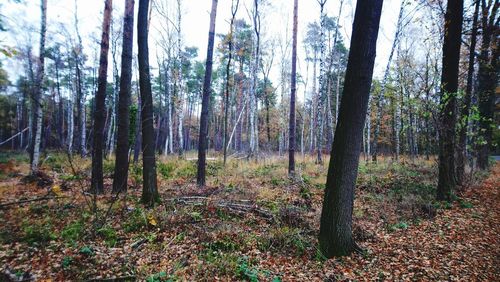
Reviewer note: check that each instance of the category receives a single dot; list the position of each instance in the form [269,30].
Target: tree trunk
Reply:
[97,185]
[487,80]
[202,142]
[322,87]
[335,237]
[449,88]
[234,9]
[149,191]
[123,119]
[293,92]
[38,114]
[378,118]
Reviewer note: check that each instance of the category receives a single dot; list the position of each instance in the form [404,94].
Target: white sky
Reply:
[277,20]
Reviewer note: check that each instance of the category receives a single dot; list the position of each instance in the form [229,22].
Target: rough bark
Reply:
[487,79]
[464,115]
[293,92]
[202,142]
[123,119]
[97,185]
[449,88]
[335,237]
[149,190]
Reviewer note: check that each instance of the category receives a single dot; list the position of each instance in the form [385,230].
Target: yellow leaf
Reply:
[56,189]
[152,220]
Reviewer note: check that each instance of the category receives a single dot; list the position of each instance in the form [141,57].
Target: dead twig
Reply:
[45,198]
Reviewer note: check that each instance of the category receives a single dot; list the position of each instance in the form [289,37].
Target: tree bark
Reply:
[293,92]
[202,142]
[97,185]
[37,99]
[378,119]
[335,236]
[464,117]
[234,9]
[149,190]
[487,80]
[449,87]
[322,87]
[123,119]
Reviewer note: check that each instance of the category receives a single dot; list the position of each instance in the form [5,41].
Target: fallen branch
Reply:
[30,200]
[14,136]
[121,278]
[237,207]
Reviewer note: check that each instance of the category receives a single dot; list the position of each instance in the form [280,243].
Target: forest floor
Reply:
[250,223]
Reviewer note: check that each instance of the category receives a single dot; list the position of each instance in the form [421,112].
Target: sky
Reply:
[277,22]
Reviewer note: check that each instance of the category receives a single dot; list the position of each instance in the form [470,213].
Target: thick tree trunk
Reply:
[97,185]
[293,92]
[37,99]
[202,142]
[122,146]
[149,190]
[335,237]
[449,88]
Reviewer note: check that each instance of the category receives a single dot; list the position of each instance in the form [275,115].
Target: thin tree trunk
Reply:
[234,10]
[37,132]
[378,118]
[293,88]
[335,237]
[202,142]
[97,185]
[322,87]
[487,79]
[149,190]
[123,119]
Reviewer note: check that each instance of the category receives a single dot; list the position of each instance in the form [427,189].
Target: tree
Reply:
[234,10]
[399,27]
[202,143]
[38,91]
[449,88]
[487,78]
[149,189]
[122,145]
[335,237]
[254,126]
[293,87]
[97,185]
[322,85]
[462,134]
